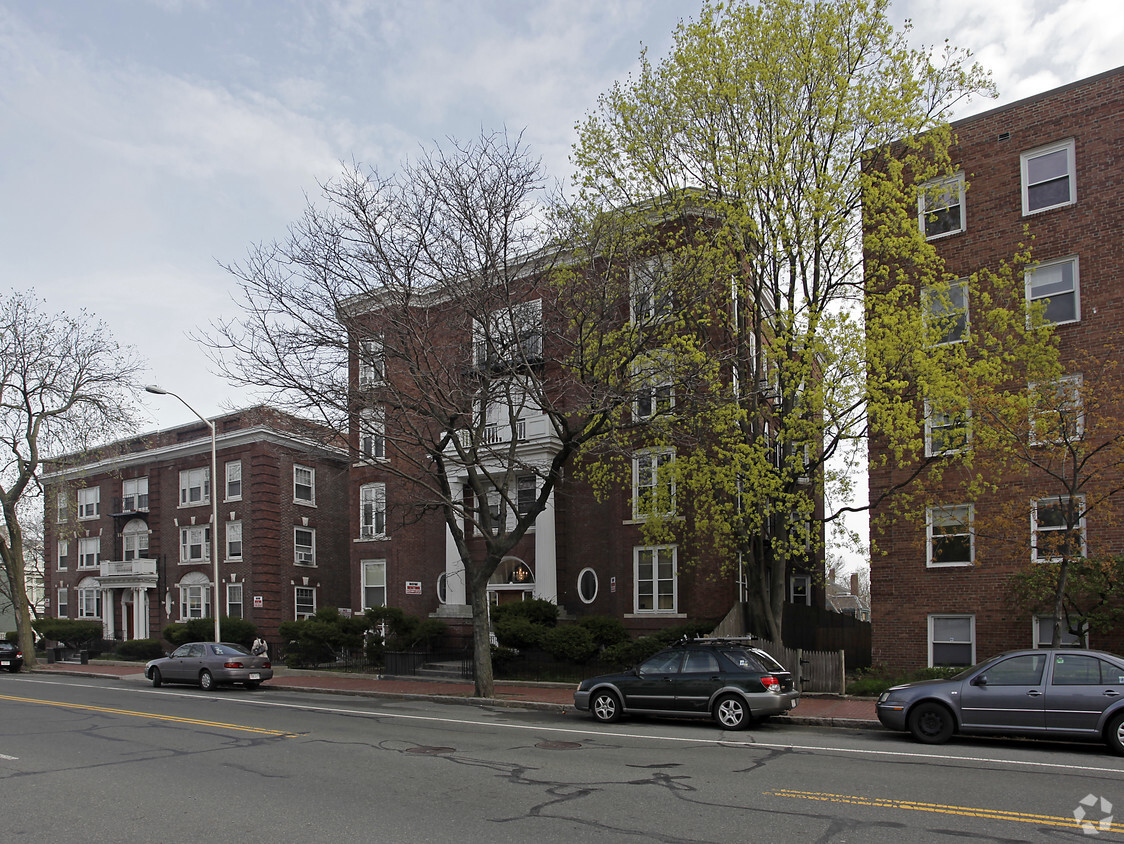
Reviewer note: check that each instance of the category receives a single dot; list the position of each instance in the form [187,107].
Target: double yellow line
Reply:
[938,808]
[151,716]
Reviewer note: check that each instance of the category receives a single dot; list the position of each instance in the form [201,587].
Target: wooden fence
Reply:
[813,671]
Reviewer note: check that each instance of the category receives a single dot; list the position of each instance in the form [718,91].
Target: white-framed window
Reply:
[946,311]
[89,599]
[134,540]
[1057,528]
[1057,413]
[372,433]
[195,596]
[304,546]
[63,553]
[952,640]
[1056,285]
[304,485]
[195,486]
[234,600]
[89,502]
[62,501]
[511,337]
[89,552]
[1044,634]
[653,484]
[950,537]
[374,583]
[372,362]
[800,589]
[304,601]
[947,431]
[1049,177]
[372,511]
[195,543]
[234,480]
[62,607]
[656,582]
[134,495]
[940,207]
[234,540]
[526,493]
[653,298]
[587,585]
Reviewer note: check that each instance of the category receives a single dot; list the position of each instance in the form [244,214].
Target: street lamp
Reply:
[160,391]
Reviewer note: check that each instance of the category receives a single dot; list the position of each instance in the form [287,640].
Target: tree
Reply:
[65,385]
[430,314]
[781,116]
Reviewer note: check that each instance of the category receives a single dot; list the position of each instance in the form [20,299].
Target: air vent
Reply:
[1004,136]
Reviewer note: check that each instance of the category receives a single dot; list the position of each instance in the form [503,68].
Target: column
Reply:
[546,554]
[455,587]
[107,612]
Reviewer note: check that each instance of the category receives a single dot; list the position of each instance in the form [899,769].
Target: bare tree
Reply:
[65,385]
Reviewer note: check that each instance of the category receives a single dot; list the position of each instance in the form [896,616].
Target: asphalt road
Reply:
[96,760]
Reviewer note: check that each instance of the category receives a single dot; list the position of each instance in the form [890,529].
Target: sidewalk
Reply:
[814,710]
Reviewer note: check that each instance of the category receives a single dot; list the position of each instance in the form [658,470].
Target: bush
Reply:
[322,637]
[605,631]
[633,652]
[871,682]
[518,632]
[536,610]
[236,630]
[12,636]
[573,643]
[403,631]
[69,631]
[141,650]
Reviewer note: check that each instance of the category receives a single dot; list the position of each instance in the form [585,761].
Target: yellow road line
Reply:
[965,811]
[110,711]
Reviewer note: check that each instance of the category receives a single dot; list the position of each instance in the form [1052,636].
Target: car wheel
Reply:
[731,712]
[154,676]
[606,707]
[931,723]
[1114,734]
[206,680]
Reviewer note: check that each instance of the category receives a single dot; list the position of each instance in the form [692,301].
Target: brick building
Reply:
[128,532]
[1054,164]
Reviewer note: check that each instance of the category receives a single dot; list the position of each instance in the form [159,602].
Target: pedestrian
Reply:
[260,648]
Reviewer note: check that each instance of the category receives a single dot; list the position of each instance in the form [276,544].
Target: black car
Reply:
[1063,694]
[724,679]
[11,657]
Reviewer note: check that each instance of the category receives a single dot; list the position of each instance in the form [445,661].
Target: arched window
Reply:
[195,596]
[89,598]
[134,540]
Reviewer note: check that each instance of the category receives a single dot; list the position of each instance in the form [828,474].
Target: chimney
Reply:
[854,583]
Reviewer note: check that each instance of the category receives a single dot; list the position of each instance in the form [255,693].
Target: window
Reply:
[946,311]
[61,561]
[61,606]
[526,494]
[587,585]
[304,485]
[656,585]
[947,430]
[652,295]
[134,495]
[372,433]
[1057,527]
[304,598]
[800,589]
[304,546]
[234,600]
[63,503]
[1048,177]
[134,540]
[372,511]
[89,599]
[1056,286]
[511,336]
[1044,633]
[195,543]
[234,480]
[89,552]
[195,487]
[951,540]
[1057,414]
[372,362]
[653,484]
[195,596]
[1083,670]
[89,502]
[234,540]
[940,207]
[1023,670]
[655,394]
[374,583]
[952,640]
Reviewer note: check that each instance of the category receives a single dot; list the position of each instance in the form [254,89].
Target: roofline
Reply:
[1053,92]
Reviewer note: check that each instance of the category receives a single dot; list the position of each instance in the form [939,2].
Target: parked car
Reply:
[724,679]
[11,657]
[210,664]
[1070,694]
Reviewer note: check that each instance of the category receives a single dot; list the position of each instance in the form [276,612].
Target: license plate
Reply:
[792,704]
[254,675]
[5,662]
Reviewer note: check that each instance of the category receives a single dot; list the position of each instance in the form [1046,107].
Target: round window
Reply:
[587,585]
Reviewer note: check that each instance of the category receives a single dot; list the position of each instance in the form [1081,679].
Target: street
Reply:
[88,759]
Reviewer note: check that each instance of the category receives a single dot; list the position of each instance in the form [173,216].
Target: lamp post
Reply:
[160,391]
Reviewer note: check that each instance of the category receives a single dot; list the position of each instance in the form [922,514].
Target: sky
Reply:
[146,143]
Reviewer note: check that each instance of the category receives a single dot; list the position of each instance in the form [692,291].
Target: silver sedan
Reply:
[208,664]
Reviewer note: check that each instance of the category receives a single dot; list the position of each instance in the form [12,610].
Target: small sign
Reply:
[612,585]
[345,612]
[413,587]
[259,602]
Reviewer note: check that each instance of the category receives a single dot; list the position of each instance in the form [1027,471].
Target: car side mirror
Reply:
[980,681]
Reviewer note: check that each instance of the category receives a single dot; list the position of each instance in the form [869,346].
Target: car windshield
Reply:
[226,649]
[768,661]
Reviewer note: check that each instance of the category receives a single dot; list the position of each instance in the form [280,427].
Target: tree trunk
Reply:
[481,637]
[1059,603]
[17,581]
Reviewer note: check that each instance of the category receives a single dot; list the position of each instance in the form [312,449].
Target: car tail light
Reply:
[232,665]
[267,664]
[771,684]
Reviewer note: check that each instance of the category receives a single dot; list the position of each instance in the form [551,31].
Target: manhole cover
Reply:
[432,751]
[558,745]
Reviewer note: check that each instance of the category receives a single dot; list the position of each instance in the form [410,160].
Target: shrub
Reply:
[321,637]
[606,631]
[627,654]
[12,636]
[404,631]
[140,650]
[236,630]
[573,643]
[536,610]
[518,632]
[72,632]
[871,682]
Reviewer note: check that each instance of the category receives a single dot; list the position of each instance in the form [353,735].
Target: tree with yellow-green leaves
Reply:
[761,134]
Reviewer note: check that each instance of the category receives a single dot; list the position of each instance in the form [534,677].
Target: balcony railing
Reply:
[128,568]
